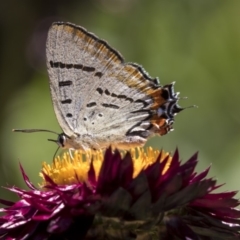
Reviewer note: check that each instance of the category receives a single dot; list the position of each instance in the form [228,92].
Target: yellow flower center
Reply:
[67,170]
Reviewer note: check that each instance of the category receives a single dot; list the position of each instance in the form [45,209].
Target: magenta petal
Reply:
[108,178]
[125,172]
[26,179]
[201,176]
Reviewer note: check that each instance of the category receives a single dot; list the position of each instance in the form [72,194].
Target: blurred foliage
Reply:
[192,42]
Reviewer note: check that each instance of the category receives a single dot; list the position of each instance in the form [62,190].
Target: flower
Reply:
[136,195]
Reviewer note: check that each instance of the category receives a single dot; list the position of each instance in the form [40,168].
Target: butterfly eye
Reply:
[61,141]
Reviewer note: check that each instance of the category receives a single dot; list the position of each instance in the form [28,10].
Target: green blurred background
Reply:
[195,43]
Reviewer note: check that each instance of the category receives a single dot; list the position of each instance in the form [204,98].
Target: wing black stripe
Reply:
[110,106]
[65,83]
[70,65]
[67,101]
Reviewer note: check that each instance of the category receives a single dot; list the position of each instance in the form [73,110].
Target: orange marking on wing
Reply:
[161,126]
[158,121]
[133,78]
[102,51]
[158,100]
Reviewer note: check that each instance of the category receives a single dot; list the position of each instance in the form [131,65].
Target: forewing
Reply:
[75,59]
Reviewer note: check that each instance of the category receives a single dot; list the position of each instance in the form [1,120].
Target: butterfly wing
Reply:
[99,98]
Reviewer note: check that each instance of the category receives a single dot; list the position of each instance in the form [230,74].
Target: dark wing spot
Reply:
[62,65]
[121,96]
[69,115]
[110,106]
[125,97]
[88,69]
[107,92]
[92,113]
[52,64]
[98,74]
[143,111]
[165,94]
[145,104]
[78,66]
[67,101]
[99,90]
[65,83]
[68,66]
[91,104]
[129,99]
[141,133]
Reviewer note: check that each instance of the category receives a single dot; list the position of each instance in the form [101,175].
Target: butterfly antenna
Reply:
[192,106]
[33,130]
[54,156]
[55,141]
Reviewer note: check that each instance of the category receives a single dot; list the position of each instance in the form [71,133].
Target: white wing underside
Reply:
[96,96]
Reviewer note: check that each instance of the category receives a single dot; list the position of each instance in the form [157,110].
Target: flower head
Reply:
[115,196]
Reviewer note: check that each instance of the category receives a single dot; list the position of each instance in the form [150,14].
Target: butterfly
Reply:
[99,100]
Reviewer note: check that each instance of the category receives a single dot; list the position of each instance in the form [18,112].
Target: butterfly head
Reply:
[62,141]
[66,142]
